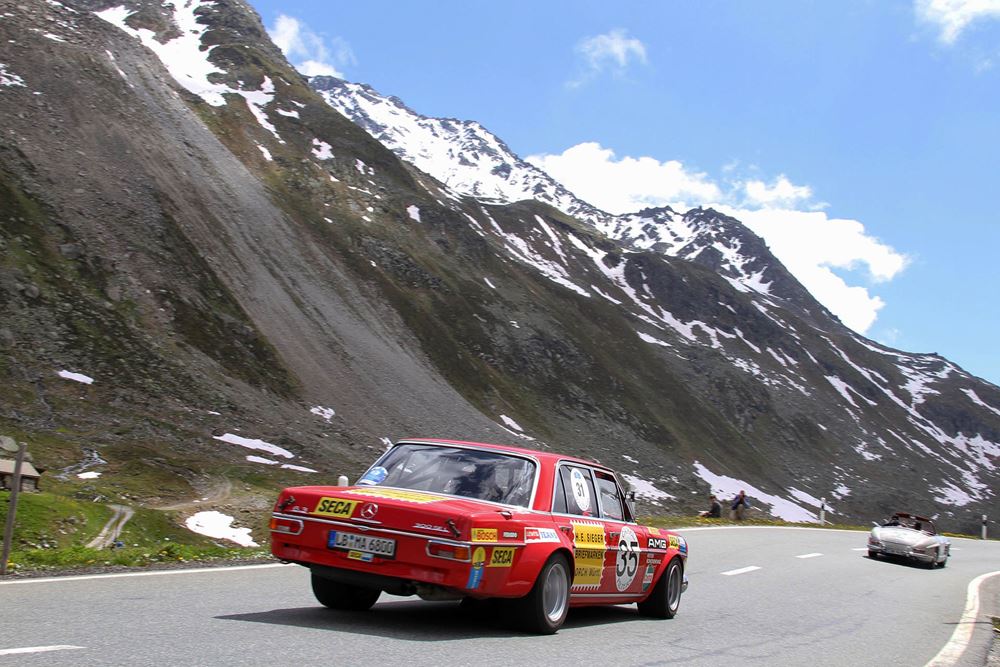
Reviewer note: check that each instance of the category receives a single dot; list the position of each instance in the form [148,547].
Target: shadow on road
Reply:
[426,621]
[900,560]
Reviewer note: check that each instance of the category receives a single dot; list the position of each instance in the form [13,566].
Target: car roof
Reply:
[541,456]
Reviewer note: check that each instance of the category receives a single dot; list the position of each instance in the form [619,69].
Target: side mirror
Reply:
[630,498]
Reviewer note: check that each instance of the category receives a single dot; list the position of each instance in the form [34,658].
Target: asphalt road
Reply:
[834,607]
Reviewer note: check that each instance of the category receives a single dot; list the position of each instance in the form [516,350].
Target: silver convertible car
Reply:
[911,537]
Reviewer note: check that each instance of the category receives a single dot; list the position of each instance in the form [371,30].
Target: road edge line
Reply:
[960,639]
[152,573]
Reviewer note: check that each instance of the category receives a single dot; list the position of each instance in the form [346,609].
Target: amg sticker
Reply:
[656,543]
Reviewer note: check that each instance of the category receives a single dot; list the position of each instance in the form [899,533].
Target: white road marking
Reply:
[154,573]
[37,649]
[809,556]
[742,570]
[960,638]
[861,549]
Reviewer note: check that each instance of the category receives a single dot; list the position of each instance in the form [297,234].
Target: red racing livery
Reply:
[458,520]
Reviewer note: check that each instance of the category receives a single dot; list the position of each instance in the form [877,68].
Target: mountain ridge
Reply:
[224,253]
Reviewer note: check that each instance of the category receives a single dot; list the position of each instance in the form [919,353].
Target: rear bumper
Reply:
[902,551]
[412,567]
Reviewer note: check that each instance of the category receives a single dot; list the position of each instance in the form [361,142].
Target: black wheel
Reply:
[665,598]
[337,595]
[544,609]
[944,562]
[872,554]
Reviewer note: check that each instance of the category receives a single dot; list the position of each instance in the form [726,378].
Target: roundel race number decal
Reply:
[627,563]
[581,490]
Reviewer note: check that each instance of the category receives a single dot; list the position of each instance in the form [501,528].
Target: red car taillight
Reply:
[449,551]
[286,526]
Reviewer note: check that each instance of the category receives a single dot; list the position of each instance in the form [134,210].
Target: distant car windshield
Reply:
[912,522]
[458,471]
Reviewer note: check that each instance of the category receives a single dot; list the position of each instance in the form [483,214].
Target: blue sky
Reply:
[861,139]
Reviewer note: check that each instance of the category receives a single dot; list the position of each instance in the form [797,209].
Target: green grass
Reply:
[83,557]
[53,521]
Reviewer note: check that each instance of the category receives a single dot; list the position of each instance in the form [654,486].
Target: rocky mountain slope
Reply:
[234,264]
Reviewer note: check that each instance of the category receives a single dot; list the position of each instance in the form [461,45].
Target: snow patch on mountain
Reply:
[188,62]
[727,487]
[978,401]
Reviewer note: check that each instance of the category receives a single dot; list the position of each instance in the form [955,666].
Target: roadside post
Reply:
[342,480]
[822,511]
[8,531]
[984,526]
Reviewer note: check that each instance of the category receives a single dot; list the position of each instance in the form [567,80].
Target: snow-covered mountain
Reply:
[195,230]
[473,162]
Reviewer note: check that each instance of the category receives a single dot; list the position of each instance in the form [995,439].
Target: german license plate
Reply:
[380,546]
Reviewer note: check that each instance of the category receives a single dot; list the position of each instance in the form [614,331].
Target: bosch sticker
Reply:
[396,494]
[337,507]
[581,489]
[589,547]
[484,534]
[502,557]
[627,561]
[476,573]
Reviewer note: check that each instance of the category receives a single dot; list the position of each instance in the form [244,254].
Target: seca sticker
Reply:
[335,507]
[627,562]
[502,557]
[581,489]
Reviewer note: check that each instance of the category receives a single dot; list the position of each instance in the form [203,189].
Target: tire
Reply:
[665,598]
[544,609]
[345,597]
[872,554]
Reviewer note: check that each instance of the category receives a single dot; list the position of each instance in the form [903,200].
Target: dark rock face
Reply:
[228,263]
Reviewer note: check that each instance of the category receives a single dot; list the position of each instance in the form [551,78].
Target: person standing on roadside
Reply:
[739,506]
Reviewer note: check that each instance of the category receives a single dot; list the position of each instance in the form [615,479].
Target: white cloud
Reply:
[613,51]
[628,184]
[308,51]
[811,244]
[782,193]
[953,16]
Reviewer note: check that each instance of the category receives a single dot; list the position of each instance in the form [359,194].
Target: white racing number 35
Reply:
[627,562]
